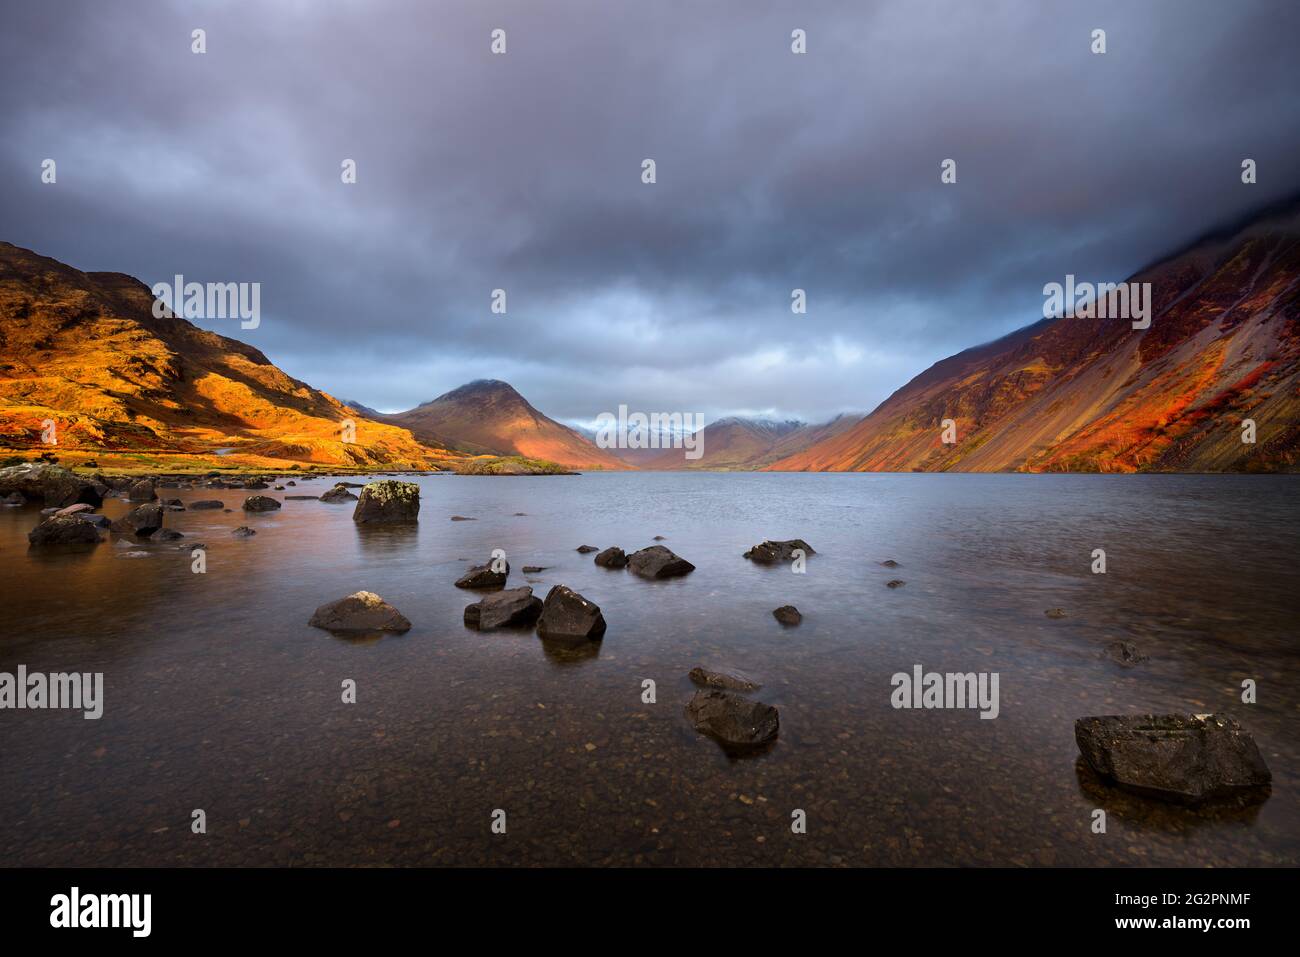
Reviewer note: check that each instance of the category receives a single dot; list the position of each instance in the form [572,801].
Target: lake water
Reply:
[219,696]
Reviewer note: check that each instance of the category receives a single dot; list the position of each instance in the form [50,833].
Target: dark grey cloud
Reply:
[522,171]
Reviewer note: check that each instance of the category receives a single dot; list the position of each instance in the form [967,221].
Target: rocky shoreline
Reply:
[1187,759]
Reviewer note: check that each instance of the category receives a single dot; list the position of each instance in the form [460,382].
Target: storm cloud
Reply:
[522,171]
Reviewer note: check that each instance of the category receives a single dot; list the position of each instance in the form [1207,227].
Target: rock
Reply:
[15,499]
[174,504]
[483,576]
[1185,758]
[75,509]
[361,611]
[352,484]
[567,615]
[788,615]
[534,569]
[291,482]
[260,503]
[168,535]
[55,485]
[1055,613]
[658,562]
[769,551]
[515,606]
[889,563]
[99,521]
[142,521]
[63,530]
[659,538]
[256,486]
[737,723]
[895,583]
[584,549]
[243,531]
[1126,653]
[387,502]
[462,518]
[142,491]
[338,493]
[612,557]
[206,504]
[722,679]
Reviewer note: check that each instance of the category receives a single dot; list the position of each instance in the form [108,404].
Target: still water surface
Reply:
[219,696]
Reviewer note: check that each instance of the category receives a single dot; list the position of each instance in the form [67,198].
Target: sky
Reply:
[523,171]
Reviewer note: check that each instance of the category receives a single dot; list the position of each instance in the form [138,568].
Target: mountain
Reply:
[488,416]
[84,351]
[1096,395]
[738,443]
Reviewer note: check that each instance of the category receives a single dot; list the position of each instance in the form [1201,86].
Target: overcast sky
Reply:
[522,171]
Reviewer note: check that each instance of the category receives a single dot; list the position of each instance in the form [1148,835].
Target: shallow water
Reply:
[219,696]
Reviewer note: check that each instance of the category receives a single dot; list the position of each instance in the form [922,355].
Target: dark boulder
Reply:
[895,583]
[53,484]
[168,535]
[567,615]
[584,549]
[787,615]
[243,531]
[63,530]
[768,551]
[1184,758]
[722,679]
[612,557]
[142,491]
[514,607]
[260,503]
[1055,613]
[142,521]
[361,611]
[534,569]
[889,563]
[737,723]
[388,502]
[658,562]
[485,576]
[207,503]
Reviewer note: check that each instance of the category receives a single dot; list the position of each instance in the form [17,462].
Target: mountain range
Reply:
[84,354]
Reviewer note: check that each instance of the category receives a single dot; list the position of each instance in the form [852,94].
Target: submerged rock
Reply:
[15,499]
[534,569]
[737,723]
[896,583]
[1185,758]
[63,530]
[388,502]
[889,563]
[243,531]
[1055,613]
[612,557]
[658,562]
[462,518]
[584,549]
[484,576]
[143,520]
[516,606]
[207,503]
[260,503]
[768,551]
[787,615]
[722,679]
[360,611]
[1124,652]
[168,535]
[567,615]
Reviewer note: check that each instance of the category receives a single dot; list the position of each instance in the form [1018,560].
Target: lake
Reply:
[219,696]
